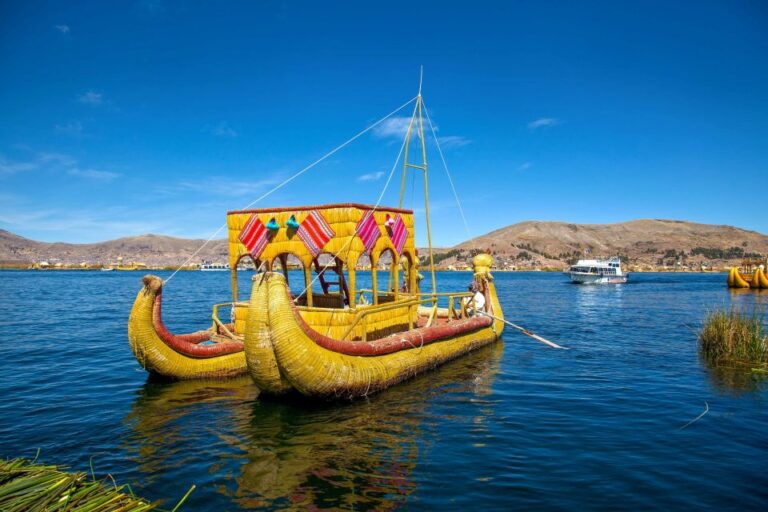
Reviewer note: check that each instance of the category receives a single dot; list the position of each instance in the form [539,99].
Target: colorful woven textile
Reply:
[368,231]
[254,236]
[399,233]
[315,232]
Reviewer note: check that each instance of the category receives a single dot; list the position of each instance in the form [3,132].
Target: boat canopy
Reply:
[340,232]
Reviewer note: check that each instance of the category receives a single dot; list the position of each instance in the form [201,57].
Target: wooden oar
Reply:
[524,331]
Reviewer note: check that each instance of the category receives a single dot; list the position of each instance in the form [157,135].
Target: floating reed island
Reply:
[735,337]
[26,486]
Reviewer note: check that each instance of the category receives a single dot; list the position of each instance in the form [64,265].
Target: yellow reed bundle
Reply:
[259,353]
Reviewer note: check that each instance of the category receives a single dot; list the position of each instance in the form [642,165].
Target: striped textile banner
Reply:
[315,232]
[254,236]
[399,234]
[368,231]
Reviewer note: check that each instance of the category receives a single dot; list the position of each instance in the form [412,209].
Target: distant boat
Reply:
[214,267]
[107,269]
[598,272]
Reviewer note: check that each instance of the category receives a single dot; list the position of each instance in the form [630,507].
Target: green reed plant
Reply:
[735,336]
[29,487]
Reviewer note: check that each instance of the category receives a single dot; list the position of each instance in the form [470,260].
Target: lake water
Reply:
[513,426]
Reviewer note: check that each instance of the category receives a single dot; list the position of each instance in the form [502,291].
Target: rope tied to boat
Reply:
[293,177]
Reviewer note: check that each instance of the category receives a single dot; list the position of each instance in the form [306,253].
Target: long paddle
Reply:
[524,331]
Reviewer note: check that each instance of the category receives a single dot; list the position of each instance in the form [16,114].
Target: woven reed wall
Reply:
[342,219]
[334,323]
[241,315]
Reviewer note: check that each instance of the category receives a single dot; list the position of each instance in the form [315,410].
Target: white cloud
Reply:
[8,167]
[453,141]
[543,122]
[72,128]
[221,186]
[524,166]
[64,29]
[371,176]
[57,158]
[393,127]
[93,174]
[92,98]
[223,130]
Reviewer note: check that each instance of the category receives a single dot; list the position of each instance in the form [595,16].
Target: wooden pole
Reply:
[524,331]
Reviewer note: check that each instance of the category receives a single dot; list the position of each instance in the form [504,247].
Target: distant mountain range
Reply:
[154,250]
[649,243]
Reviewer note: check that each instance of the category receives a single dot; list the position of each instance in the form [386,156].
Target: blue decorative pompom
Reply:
[291,223]
[272,225]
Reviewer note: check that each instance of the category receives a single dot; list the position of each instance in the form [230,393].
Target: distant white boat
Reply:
[598,272]
[107,269]
[214,267]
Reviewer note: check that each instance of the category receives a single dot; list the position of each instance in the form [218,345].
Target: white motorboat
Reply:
[598,272]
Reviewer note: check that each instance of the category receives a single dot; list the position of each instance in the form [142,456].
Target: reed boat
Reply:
[214,352]
[315,331]
[332,340]
[755,279]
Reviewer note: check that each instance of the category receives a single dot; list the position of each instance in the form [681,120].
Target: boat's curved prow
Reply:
[177,356]
[259,354]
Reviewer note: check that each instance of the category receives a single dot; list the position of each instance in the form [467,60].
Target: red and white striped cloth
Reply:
[315,232]
[368,231]
[399,234]
[254,236]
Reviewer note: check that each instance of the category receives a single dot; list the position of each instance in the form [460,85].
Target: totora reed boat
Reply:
[308,326]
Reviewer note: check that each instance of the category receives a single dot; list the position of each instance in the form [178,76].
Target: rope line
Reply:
[375,207]
[445,166]
[281,185]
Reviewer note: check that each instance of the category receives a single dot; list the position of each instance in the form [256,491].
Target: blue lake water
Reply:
[515,425]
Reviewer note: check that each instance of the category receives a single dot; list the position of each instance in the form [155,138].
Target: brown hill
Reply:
[640,243]
[154,250]
[643,244]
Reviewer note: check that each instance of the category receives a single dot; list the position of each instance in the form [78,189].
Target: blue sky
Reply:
[124,118]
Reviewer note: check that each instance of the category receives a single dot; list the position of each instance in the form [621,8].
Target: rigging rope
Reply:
[375,207]
[445,166]
[281,185]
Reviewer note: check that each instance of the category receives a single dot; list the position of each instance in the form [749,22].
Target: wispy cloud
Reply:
[524,166]
[92,98]
[393,127]
[93,174]
[371,176]
[543,122]
[453,141]
[153,7]
[56,158]
[64,29]
[221,186]
[223,130]
[72,128]
[57,163]
[8,167]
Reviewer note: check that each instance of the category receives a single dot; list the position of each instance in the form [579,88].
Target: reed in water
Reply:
[735,336]
[27,486]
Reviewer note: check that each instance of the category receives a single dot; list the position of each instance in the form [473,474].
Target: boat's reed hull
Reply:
[156,355]
[319,372]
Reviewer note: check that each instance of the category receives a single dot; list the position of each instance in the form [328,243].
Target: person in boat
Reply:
[477,301]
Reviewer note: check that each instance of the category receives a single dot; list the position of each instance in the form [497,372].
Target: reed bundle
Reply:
[734,336]
[26,486]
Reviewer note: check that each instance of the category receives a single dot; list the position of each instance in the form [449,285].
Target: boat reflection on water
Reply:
[247,452]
